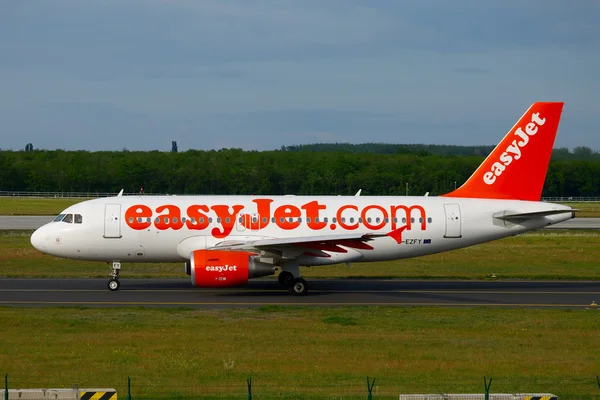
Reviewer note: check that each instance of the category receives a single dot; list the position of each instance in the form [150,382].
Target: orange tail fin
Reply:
[517,167]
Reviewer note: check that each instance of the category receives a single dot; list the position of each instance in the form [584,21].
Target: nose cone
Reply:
[38,240]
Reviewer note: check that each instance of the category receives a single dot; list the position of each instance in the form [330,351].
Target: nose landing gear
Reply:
[113,283]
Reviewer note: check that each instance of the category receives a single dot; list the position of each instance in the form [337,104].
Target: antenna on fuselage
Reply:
[358,193]
[120,193]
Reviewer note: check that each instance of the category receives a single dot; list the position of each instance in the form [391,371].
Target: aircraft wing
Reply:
[352,240]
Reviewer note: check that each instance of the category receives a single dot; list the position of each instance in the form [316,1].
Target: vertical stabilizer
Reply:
[516,168]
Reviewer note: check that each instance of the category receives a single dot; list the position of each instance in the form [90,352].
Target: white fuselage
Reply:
[168,228]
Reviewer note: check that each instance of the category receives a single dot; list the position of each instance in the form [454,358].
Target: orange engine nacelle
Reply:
[221,268]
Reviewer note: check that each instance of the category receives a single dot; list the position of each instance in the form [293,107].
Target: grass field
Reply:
[45,206]
[537,255]
[304,352]
[34,205]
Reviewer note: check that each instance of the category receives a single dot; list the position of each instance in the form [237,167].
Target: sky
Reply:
[261,74]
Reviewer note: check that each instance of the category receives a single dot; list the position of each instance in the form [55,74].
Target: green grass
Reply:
[34,205]
[586,210]
[537,255]
[295,352]
[51,206]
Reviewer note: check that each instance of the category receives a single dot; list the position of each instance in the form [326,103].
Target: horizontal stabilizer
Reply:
[512,216]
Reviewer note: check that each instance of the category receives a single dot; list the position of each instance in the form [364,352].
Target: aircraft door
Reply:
[253,219]
[239,222]
[112,221]
[453,221]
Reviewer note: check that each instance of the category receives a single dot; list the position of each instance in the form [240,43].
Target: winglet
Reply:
[396,234]
[516,168]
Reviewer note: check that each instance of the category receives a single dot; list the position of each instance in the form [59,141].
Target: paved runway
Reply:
[33,222]
[180,293]
[23,222]
[577,223]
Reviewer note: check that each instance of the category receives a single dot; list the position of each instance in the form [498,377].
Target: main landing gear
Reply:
[296,286]
[113,283]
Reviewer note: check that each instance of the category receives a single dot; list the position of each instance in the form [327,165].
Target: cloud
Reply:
[150,71]
[472,70]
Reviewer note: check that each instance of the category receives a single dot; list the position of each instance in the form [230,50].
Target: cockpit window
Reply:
[68,219]
[78,218]
[59,218]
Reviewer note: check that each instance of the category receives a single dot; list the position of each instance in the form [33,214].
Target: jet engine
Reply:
[222,268]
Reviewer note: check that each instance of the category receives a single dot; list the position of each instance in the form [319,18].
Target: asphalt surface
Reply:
[22,222]
[577,223]
[33,222]
[180,293]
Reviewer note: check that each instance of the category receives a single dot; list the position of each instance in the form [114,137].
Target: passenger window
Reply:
[59,218]
[68,219]
[78,218]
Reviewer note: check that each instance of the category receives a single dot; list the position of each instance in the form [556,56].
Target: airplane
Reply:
[224,241]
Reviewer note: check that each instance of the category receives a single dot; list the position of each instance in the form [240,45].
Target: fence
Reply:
[572,199]
[93,195]
[70,195]
[369,389]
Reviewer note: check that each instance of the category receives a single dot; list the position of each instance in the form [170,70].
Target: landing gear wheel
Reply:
[114,284]
[299,287]
[285,278]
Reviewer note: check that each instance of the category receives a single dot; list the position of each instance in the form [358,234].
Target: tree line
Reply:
[562,153]
[235,171]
